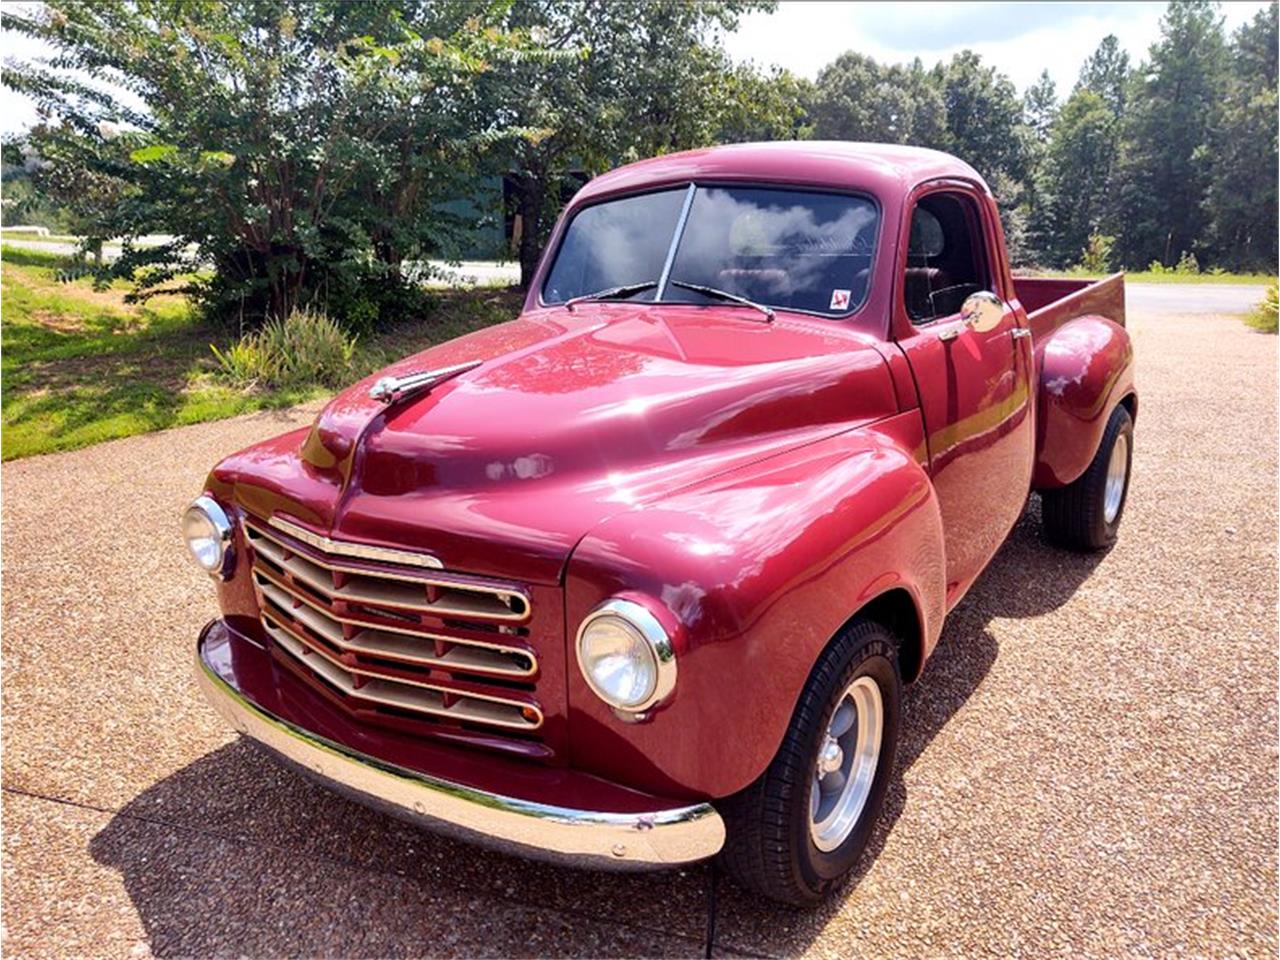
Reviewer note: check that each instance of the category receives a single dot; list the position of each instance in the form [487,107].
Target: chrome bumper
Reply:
[583,838]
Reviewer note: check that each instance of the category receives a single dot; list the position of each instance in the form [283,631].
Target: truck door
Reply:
[972,371]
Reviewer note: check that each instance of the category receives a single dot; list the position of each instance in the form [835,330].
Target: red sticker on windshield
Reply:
[839,300]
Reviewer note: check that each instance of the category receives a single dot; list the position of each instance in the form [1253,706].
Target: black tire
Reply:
[768,847]
[1074,517]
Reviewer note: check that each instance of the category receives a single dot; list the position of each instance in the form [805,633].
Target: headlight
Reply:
[626,656]
[207,531]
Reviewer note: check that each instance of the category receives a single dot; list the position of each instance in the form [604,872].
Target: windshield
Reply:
[616,244]
[790,249]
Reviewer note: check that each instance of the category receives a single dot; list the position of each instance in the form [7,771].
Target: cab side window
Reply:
[946,257]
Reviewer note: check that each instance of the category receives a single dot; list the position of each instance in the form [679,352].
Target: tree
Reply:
[857,99]
[303,149]
[634,79]
[1039,114]
[24,202]
[1078,163]
[1106,73]
[752,106]
[984,116]
[1242,198]
[1040,106]
[1165,165]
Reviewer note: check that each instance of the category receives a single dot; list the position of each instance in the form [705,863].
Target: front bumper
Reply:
[649,839]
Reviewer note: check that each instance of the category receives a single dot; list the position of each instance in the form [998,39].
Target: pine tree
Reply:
[1039,113]
[1079,161]
[1165,164]
[1242,197]
[1106,73]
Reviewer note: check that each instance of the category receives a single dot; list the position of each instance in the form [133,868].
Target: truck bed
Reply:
[1051,301]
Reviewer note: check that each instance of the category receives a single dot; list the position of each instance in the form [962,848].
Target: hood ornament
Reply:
[389,390]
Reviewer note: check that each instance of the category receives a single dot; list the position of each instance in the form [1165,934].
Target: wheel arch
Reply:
[898,611]
[1085,369]
[846,528]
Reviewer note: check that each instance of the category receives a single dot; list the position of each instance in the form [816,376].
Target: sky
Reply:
[1020,38]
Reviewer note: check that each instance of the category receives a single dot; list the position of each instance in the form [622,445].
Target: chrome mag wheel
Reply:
[846,764]
[1117,476]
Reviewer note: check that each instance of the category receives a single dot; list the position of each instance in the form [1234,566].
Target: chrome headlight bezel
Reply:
[221,533]
[640,622]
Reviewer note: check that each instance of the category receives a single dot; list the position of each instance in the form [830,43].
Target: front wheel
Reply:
[1085,515]
[796,832]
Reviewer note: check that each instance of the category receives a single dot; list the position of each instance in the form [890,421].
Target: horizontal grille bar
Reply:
[392,643]
[408,642]
[408,590]
[414,696]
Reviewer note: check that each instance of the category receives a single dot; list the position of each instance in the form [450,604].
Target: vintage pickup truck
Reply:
[637,578]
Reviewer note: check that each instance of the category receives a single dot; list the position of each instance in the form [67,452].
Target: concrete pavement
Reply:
[1088,765]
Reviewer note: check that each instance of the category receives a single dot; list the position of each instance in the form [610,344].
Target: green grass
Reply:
[37,238]
[80,366]
[1145,276]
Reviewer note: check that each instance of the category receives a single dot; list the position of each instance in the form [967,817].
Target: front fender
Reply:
[1086,368]
[753,573]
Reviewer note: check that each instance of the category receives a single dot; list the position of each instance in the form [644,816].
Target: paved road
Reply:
[1089,763]
[468,273]
[1192,298]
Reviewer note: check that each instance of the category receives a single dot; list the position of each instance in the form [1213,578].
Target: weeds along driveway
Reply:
[1089,762]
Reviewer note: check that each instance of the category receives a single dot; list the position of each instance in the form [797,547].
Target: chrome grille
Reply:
[443,647]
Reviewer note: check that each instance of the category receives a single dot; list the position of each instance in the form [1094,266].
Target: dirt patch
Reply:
[61,322]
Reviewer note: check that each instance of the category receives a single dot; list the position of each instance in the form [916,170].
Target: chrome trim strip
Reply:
[583,838]
[349,548]
[675,242]
[501,593]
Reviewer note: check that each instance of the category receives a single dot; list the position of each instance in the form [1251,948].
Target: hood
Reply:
[572,417]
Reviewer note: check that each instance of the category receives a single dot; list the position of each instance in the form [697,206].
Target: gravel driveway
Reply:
[1089,763]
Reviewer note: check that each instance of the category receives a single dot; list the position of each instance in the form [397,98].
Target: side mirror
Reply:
[981,311]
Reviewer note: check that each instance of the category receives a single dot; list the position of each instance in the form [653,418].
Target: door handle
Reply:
[1019,332]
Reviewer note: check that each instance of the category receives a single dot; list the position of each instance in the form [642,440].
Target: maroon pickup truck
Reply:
[637,578]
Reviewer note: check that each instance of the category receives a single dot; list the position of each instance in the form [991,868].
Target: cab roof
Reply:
[882,169]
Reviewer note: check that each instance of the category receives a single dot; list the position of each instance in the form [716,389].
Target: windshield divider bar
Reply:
[675,242]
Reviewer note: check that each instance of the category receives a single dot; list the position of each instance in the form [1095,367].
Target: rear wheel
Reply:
[795,833]
[1085,515]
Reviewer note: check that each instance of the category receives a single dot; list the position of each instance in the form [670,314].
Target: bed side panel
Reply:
[1050,302]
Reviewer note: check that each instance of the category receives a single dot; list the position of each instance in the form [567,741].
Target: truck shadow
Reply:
[234,855]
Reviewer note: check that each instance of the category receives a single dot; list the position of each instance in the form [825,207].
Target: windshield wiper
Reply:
[726,296]
[611,293]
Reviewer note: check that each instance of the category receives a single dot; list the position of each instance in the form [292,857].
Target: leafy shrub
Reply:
[245,363]
[365,296]
[305,349]
[1187,263]
[1266,315]
[1096,256]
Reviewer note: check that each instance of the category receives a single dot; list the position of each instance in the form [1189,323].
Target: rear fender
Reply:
[1086,368]
[753,574]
